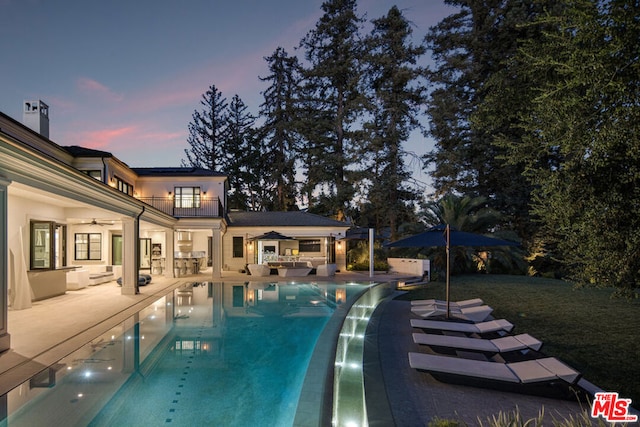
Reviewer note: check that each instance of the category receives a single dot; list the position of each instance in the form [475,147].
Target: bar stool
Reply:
[176,268]
[183,267]
[189,266]
[156,267]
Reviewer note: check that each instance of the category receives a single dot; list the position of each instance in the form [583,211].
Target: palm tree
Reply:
[470,214]
[463,213]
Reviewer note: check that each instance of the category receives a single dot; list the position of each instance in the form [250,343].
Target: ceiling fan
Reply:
[94,222]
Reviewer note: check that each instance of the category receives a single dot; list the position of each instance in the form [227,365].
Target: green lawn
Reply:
[586,328]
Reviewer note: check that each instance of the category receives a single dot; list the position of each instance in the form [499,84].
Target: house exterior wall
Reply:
[161,186]
[117,170]
[250,247]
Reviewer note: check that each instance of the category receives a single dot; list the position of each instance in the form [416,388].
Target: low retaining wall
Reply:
[414,267]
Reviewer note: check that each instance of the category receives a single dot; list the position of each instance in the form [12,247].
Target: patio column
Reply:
[129,256]
[5,338]
[216,256]
[170,254]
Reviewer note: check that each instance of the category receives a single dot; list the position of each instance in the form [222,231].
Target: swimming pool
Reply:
[208,354]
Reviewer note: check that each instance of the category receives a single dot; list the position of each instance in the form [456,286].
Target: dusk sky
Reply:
[125,76]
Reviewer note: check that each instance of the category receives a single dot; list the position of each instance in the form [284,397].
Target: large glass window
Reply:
[238,246]
[311,245]
[187,197]
[88,246]
[116,249]
[97,174]
[47,245]
[41,245]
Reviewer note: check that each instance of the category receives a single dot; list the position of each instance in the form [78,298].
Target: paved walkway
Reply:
[415,398]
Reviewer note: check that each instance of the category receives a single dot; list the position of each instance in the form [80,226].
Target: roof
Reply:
[176,171]
[77,151]
[281,219]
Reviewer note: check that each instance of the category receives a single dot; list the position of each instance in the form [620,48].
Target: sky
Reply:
[126,76]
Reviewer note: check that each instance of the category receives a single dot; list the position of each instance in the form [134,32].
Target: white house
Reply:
[72,217]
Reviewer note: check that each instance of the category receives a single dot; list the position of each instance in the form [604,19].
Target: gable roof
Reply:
[281,219]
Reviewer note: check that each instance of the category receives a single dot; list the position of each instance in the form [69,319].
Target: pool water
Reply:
[251,376]
[219,354]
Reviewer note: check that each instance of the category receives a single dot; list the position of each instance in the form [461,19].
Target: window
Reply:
[97,174]
[123,186]
[187,197]
[309,245]
[47,245]
[238,247]
[116,249]
[88,246]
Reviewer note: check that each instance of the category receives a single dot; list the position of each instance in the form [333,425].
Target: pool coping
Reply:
[315,404]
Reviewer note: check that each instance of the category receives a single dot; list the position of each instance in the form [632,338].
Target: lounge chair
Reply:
[459,304]
[497,345]
[467,328]
[472,314]
[546,376]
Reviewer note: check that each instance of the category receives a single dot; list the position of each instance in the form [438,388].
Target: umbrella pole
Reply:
[448,250]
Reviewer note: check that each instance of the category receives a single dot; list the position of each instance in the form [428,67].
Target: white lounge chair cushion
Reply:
[466,367]
[529,371]
[464,303]
[470,328]
[497,345]
[473,314]
[560,369]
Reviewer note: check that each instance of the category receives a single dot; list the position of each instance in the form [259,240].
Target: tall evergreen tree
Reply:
[398,93]
[208,132]
[581,149]
[334,102]
[239,155]
[469,48]
[279,133]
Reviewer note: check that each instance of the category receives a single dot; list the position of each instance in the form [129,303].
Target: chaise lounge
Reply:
[489,326]
[546,376]
[472,314]
[497,345]
[458,304]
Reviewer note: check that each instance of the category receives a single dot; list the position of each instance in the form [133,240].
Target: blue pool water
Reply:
[253,379]
[232,354]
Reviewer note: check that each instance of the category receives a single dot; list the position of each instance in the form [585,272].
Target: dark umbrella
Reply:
[272,235]
[444,235]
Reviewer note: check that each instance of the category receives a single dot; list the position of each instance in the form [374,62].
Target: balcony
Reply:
[209,207]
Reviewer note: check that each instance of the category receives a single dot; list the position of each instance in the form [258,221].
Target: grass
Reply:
[586,328]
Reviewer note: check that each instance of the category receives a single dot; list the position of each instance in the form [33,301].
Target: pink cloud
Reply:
[95,88]
[104,139]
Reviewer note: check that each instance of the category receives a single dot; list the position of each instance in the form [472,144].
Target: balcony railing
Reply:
[209,208]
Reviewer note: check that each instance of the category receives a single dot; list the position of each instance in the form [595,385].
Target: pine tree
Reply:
[394,79]
[470,48]
[334,103]
[239,155]
[279,133]
[208,132]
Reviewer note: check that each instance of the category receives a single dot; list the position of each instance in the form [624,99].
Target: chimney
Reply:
[35,115]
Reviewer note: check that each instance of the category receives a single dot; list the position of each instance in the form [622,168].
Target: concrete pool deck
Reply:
[51,329]
[402,396]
